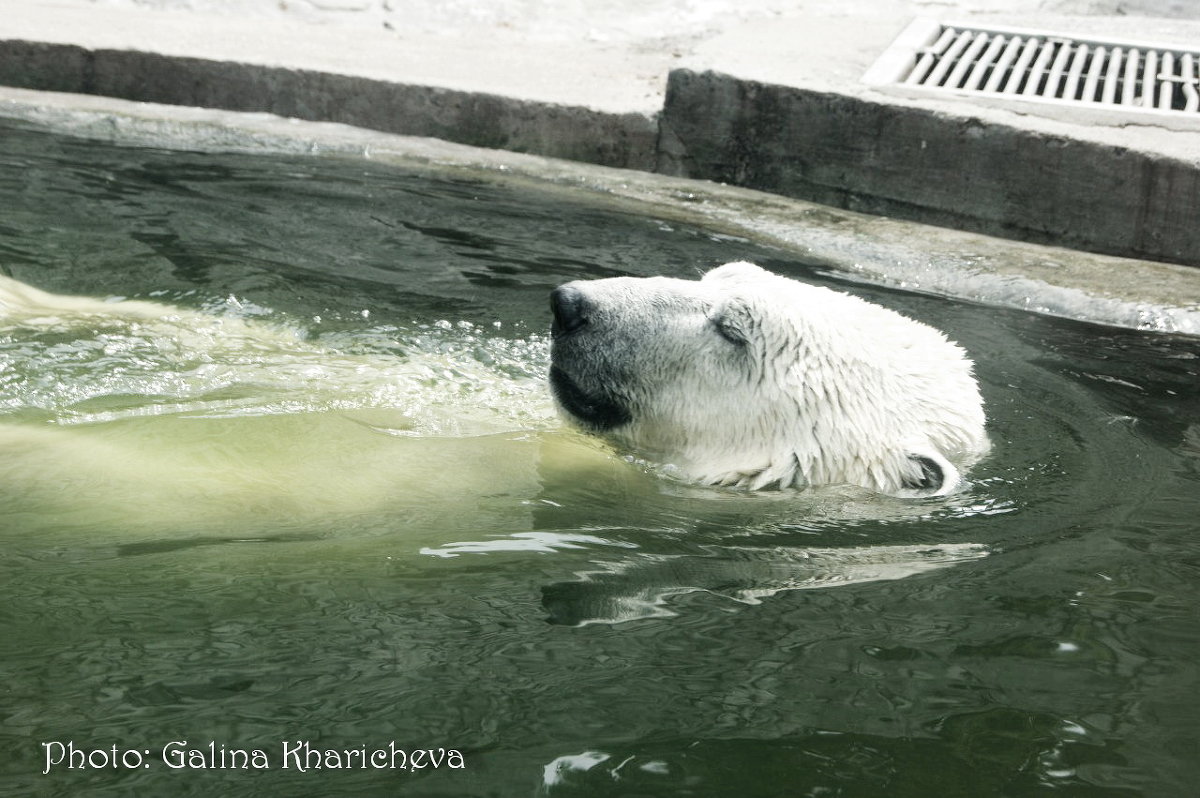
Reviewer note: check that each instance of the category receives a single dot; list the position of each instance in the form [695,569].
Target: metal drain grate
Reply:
[1043,67]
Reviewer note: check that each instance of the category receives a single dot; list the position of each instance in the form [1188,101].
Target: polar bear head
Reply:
[749,379]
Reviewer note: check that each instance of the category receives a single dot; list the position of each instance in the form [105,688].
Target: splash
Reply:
[74,360]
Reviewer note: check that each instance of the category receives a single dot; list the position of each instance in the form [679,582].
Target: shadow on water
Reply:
[148,547]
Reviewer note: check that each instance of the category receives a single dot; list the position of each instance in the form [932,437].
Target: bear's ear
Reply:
[734,320]
[738,270]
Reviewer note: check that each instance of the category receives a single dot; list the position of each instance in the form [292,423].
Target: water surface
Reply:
[325,499]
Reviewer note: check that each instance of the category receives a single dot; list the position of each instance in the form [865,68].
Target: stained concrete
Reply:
[786,111]
[954,170]
[482,119]
[492,93]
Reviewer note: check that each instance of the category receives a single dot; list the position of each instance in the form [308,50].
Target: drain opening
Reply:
[1041,66]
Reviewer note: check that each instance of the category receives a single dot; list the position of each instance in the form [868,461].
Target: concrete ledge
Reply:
[626,140]
[916,163]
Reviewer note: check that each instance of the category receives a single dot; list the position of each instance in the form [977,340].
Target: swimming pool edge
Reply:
[1055,281]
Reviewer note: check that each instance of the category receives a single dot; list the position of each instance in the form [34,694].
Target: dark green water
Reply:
[326,501]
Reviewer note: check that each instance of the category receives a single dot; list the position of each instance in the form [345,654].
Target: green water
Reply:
[319,496]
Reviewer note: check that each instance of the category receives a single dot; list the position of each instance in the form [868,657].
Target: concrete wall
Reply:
[625,140]
[908,162]
[858,151]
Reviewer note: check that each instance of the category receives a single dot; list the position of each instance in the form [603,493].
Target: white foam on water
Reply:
[86,361]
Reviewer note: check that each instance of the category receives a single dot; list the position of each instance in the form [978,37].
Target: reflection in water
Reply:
[638,587]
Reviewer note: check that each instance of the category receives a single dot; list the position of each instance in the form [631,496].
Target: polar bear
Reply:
[746,378]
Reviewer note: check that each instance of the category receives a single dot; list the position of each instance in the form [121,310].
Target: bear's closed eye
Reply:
[727,330]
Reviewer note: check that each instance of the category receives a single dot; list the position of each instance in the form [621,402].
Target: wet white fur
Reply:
[826,388]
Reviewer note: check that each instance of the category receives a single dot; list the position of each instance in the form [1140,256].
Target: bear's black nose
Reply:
[570,309]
